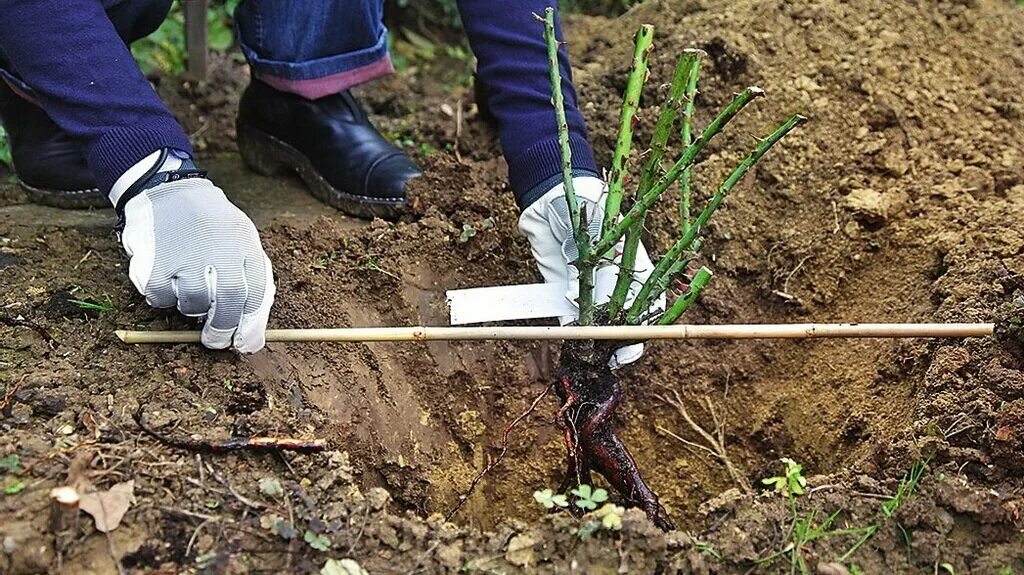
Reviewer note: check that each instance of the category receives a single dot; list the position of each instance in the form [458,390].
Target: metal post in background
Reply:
[195,37]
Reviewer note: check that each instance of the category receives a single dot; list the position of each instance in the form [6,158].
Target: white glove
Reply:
[192,249]
[546,224]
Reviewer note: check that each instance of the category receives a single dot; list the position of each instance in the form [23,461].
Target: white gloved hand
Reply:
[546,224]
[192,249]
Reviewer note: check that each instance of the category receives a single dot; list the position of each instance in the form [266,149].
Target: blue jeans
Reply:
[314,48]
[310,48]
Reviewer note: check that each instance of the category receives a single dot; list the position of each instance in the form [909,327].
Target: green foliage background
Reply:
[164,49]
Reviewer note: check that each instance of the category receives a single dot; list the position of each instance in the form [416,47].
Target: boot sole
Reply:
[66,199]
[270,156]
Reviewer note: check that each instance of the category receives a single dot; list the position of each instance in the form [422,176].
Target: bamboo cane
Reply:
[605,332]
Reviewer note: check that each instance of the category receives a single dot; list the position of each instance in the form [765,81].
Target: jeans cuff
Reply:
[332,84]
[323,76]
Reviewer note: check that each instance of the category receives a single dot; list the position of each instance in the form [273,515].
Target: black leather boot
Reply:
[332,145]
[49,164]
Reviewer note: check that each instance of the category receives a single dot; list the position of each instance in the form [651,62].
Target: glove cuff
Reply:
[157,174]
[540,190]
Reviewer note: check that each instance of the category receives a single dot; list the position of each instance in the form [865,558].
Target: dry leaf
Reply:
[108,507]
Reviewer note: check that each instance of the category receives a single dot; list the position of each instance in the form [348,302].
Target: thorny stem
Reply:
[662,131]
[630,103]
[675,269]
[697,285]
[690,94]
[643,300]
[584,262]
[644,202]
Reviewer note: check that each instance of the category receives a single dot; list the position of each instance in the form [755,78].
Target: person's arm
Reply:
[85,78]
[515,83]
[513,73]
[190,248]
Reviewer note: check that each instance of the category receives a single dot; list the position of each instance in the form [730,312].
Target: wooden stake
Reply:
[611,332]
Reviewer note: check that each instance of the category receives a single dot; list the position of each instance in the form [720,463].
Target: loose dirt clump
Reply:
[898,201]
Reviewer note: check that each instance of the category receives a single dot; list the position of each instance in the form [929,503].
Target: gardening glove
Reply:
[190,248]
[546,224]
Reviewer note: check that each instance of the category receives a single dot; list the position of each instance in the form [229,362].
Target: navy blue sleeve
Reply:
[85,78]
[513,72]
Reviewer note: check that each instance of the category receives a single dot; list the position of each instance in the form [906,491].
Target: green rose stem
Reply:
[688,62]
[644,202]
[690,95]
[630,103]
[584,262]
[697,284]
[643,300]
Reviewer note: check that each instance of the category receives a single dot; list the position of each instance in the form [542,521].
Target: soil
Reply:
[898,201]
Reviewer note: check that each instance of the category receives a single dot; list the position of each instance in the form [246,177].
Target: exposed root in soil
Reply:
[714,440]
[590,394]
[21,322]
[501,455]
[5,404]
[255,443]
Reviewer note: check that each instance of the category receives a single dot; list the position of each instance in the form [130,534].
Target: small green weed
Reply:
[469,231]
[5,148]
[317,541]
[14,487]
[705,547]
[587,498]
[92,305]
[324,262]
[906,488]
[370,263]
[550,499]
[792,483]
[805,529]
[11,463]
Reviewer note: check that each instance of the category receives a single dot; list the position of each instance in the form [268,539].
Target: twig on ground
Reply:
[22,322]
[241,498]
[715,442]
[10,394]
[362,528]
[501,455]
[257,443]
[195,534]
[113,553]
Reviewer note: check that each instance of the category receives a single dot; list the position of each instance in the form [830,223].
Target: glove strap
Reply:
[152,178]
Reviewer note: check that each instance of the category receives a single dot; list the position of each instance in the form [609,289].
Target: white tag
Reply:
[503,303]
